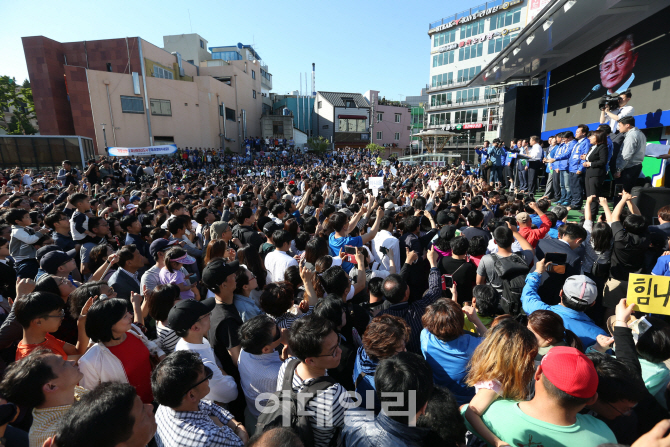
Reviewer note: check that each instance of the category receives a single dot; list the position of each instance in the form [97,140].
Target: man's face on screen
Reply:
[617,66]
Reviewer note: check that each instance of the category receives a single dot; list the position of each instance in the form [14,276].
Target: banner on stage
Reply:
[165,149]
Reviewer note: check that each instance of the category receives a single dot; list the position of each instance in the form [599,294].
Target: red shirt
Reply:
[534,236]
[135,359]
[51,343]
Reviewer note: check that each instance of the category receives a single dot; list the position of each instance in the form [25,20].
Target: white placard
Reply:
[344,187]
[376,183]
[434,184]
[394,171]
[375,192]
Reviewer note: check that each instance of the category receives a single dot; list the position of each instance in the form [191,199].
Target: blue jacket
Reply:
[364,364]
[563,154]
[496,154]
[511,155]
[579,149]
[361,430]
[552,154]
[575,321]
[484,153]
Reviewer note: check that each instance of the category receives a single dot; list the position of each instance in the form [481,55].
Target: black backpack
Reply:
[290,406]
[512,270]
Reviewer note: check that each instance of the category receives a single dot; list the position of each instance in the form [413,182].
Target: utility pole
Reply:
[104,134]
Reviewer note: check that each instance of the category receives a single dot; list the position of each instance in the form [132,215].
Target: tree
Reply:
[318,145]
[18,100]
[372,147]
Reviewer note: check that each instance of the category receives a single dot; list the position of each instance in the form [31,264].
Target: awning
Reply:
[352,117]
[563,30]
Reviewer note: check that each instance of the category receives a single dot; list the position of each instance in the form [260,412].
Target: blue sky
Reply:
[356,45]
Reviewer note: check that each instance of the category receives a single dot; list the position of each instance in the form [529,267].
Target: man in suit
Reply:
[570,238]
[126,279]
[663,226]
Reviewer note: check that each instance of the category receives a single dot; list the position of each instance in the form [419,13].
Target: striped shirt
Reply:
[285,320]
[167,339]
[45,420]
[258,374]
[412,312]
[327,406]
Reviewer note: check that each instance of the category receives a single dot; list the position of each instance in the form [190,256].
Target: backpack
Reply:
[513,271]
[288,404]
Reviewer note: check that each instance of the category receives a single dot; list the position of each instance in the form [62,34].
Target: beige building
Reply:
[132,93]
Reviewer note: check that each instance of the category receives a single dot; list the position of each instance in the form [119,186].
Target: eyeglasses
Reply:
[203,317]
[60,315]
[334,353]
[208,376]
[626,413]
[618,63]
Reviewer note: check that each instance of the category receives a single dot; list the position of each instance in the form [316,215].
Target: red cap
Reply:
[570,371]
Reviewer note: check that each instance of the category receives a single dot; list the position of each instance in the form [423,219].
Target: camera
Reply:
[611,101]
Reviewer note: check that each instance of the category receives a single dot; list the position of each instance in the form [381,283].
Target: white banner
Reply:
[376,182]
[165,149]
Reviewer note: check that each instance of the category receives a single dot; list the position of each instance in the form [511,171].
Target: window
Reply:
[442,79]
[162,73]
[499,44]
[253,74]
[505,19]
[472,29]
[470,51]
[468,73]
[440,119]
[465,116]
[352,125]
[254,93]
[161,107]
[230,114]
[490,93]
[379,135]
[202,44]
[277,128]
[443,99]
[319,104]
[397,136]
[131,104]
[444,38]
[380,117]
[325,126]
[348,102]
[471,94]
[444,58]
[397,117]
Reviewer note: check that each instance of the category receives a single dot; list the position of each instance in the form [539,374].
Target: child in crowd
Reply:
[501,366]
[173,274]
[79,221]
[22,242]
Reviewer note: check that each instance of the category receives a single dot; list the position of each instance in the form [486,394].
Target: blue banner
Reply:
[165,149]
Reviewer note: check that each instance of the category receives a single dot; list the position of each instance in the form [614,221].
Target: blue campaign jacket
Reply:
[563,154]
[484,153]
[575,321]
[579,149]
[552,154]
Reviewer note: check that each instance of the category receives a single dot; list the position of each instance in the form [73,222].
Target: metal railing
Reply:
[454,104]
[467,12]
[445,86]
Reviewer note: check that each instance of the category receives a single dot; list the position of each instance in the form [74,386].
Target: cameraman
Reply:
[616,114]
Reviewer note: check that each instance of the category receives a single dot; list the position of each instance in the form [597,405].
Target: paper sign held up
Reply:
[649,293]
[376,182]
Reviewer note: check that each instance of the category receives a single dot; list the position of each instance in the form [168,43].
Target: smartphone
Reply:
[309,266]
[462,203]
[447,282]
[351,253]
[618,189]
[556,258]
[519,196]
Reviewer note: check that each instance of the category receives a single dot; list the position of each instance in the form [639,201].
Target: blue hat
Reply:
[133,198]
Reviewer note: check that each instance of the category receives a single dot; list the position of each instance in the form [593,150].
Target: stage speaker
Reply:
[649,200]
[522,113]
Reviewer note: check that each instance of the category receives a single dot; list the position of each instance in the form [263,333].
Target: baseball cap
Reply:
[570,371]
[271,227]
[581,288]
[447,232]
[52,260]
[347,212]
[523,217]
[389,206]
[287,197]
[217,271]
[160,244]
[217,229]
[186,313]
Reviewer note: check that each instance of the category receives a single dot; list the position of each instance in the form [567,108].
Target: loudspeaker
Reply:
[522,113]
[649,200]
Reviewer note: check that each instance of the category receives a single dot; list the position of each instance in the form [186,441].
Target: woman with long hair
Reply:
[249,258]
[501,366]
[218,248]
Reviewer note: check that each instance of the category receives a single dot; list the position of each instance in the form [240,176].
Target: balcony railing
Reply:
[446,86]
[454,104]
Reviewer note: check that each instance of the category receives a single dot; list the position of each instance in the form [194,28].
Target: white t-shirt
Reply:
[624,111]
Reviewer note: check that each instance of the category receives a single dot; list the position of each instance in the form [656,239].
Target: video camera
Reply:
[611,101]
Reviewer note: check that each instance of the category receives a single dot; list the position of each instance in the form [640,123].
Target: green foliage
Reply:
[20,101]
[372,147]
[318,145]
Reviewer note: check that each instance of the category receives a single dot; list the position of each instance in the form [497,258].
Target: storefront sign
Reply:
[462,126]
[476,16]
[166,149]
[476,39]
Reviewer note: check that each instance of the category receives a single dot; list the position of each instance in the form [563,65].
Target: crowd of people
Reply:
[282,298]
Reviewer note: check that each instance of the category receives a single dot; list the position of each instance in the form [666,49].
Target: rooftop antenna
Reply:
[189,20]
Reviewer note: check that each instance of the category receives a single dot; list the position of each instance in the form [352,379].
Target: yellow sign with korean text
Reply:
[649,293]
